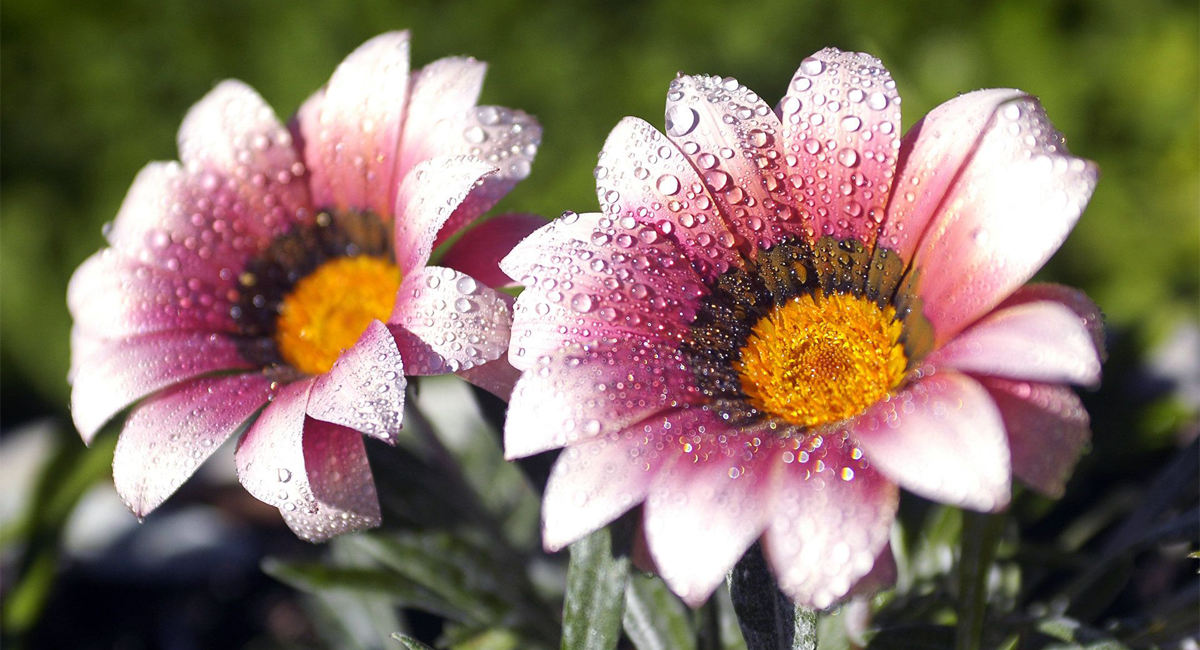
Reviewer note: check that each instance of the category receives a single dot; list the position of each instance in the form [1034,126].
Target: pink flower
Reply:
[287,267]
[781,315]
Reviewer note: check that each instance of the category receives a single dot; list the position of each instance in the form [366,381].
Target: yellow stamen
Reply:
[819,358]
[329,309]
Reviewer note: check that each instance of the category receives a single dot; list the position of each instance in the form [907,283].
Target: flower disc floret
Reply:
[330,308]
[818,358]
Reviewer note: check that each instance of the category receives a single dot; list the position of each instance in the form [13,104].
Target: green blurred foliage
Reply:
[94,89]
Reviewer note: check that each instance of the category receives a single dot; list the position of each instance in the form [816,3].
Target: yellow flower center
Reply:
[822,358]
[328,310]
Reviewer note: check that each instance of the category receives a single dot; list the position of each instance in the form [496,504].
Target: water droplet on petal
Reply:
[668,184]
[812,66]
[681,120]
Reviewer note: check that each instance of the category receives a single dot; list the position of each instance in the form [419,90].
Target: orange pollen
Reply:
[818,358]
[328,309]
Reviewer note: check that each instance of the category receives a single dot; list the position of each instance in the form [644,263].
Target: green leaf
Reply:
[1076,636]
[316,578]
[1183,528]
[654,618]
[446,566]
[352,619]
[68,474]
[1174,482]
[494,639]
[410,643]
[768,618]
[729,633]
[935,541]
[980,539]
[462,438]
[468,575]
[595,599]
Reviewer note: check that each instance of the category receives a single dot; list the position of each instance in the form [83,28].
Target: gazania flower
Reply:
[288,268]
[783,314]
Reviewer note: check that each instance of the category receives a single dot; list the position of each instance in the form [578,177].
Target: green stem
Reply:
[981,534]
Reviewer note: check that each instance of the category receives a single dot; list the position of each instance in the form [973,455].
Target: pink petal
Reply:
[1010,207]
[579,393]
[931,154]
[595,482]
[510,142]
[233,135]
[365,388]
[269,458]
[315,472]
[426,199]
[440,91]
[240,186]
[198,225]
[444,321]
[84,343]
[168,436]
[731,137]
[625,281]
[443,120]
[883,574]
[832,516]
[1047,430]
[335,462]
[351,129]
[1074,299]
[941,437]
[496,377]
[121,372]
[113,296]
[479,251]
[709,503]
[1038,341]
[644,175]
[841,126]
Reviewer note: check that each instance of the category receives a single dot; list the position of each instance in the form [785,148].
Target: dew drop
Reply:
[582,303]
[475,135]
[681,120]
[667,184]
[812,66]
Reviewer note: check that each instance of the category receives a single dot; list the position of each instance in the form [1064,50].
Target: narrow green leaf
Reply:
[316,577]
[443,565]
[980,539]
[67,475]
[831,630]
[466,574]
[410,643]
[729,633]
[25,602]
[1076,636]
[354,620]
[935,541]
[493,639]
[1177,480]
[595,599]
[654,618]
[768,618]
[1183,528]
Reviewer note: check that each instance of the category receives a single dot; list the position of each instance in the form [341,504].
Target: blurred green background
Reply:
[94,89]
